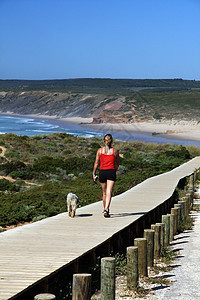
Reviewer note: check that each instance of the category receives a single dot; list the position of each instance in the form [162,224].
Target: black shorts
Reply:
[105,175]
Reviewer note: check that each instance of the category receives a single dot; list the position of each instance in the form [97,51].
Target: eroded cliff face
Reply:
[102,108]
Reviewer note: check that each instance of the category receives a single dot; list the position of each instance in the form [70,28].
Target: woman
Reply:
[109,163]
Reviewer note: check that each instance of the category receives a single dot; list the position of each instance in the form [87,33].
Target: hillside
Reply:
[100,85]
[126,108]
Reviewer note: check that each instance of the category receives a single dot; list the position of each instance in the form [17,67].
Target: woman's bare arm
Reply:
[96,164]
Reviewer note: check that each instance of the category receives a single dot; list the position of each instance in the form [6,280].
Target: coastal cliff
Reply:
[103,108]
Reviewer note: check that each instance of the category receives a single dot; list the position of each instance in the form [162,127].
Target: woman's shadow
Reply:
[121,215]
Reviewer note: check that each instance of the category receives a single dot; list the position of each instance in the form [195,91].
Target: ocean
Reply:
[36,126]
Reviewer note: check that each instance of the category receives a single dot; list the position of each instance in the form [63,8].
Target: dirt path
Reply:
[3,152]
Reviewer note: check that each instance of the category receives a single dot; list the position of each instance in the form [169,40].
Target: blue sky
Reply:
[56,39]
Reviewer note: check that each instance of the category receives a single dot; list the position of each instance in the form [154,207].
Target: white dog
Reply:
[72,202]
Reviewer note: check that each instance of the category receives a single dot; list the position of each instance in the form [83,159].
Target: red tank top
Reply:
[107,161]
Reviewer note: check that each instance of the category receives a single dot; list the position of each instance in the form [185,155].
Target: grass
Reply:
[186,223]
[167,255]
[196,207]
[120,264]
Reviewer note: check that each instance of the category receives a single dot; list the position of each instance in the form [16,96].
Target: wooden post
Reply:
[132,267]
[45,297]
[179,214]
[81,288]
[187,196]
[190,197]
[182,208]
[185,199]
[191,182]
[166,220]
[149,236]
[141,243]
[108,278]
[157,247]
[174,211]
[171,227]
[162,234]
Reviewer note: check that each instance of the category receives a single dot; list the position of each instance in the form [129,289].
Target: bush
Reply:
[6,185]
[39,218]
[48,164]
[13,166]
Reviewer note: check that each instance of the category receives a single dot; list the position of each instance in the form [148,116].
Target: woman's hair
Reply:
[108,139]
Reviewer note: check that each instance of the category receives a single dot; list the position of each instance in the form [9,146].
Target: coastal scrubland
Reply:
[100,85]
[36,173]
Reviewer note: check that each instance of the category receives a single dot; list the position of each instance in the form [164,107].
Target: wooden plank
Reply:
[31,252]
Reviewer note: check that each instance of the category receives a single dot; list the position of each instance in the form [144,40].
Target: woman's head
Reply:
[108,139]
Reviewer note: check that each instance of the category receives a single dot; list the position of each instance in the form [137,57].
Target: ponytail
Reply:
[108,139]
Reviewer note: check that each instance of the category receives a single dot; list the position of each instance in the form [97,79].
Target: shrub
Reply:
[13,166]
[6,185]
[48,163]
[39,218]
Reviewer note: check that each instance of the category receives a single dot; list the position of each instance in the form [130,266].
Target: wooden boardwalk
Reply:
[33,251]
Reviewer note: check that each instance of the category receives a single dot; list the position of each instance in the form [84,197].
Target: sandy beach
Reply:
[177,130]
[184,130]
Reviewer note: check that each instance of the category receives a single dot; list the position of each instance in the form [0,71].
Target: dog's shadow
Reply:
[84,215]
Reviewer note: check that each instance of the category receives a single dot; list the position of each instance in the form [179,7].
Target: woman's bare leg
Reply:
[109,189]
[104,188]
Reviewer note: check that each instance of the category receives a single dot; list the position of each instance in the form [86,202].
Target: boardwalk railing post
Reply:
[178,206]
[191,181]
[141,243]
[182,208]
[187,196]
[185,199]
[132,267]
[171,227]
[149,236]
[45,297]
[157,246]
[190,196]
[162,234]
[108,278]
[174,211]
[81,288]
[166,220]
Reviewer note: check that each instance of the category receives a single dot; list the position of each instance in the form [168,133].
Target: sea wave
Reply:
[38,130]
[25,121]
[50,126]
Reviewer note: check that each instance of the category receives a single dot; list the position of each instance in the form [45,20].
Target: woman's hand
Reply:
[95,177]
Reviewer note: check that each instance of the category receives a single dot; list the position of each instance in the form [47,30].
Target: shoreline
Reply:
[186,131]
[182,130]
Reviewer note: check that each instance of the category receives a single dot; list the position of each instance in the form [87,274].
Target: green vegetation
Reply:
[44,169]
[186,223]
[99,85]
[120,264]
